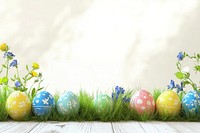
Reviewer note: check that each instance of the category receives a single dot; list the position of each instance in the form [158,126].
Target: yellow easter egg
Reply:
[168,103]
[18,105]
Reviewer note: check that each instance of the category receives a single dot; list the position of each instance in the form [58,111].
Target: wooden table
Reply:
[99,127]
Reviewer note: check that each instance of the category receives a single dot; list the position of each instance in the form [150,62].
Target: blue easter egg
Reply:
[68,104]
[43,103]
[191,102]
[103,103]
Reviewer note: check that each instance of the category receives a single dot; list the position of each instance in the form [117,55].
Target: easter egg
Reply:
[68,104]
[43,103]
[103,103]
[191,102]
[18,105]
[143,102]
[168,103]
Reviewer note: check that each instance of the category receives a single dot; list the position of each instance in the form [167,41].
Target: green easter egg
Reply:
[103,103]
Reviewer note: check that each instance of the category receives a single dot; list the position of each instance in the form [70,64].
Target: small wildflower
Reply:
[179,88]
[3,47]
[119,90]
[186,69]
[9,55]
[35,65]
[171,85]
[180,56]
[14,63]
[126,100]
[17,84]
[34,73]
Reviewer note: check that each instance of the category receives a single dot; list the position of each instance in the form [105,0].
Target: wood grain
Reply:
[17,127]
[99,127]
[127,127]
[73,127]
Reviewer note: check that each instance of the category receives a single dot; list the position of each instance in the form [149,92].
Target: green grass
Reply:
[87,112]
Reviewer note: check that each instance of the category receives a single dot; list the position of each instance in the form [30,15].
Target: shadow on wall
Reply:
[162,66]
[47,24]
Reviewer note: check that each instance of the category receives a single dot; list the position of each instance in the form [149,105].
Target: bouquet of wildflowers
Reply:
[183,73]
[20,83]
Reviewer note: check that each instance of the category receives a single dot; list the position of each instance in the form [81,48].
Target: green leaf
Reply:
[40,88]
[0,81]
[197,68]
[24,89]
[5,80]
[27,68]
[186,82]
[198,56]
[12,79]
[4,66]
[186,75]
[33,92]
[36,80]
[179,75]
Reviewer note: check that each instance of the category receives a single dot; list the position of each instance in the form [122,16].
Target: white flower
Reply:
[186,69]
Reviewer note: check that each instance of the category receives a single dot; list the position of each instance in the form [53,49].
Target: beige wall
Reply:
[97,44]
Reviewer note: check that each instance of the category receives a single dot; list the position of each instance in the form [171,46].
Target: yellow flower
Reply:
[35,65]
[3,47]
[34,73]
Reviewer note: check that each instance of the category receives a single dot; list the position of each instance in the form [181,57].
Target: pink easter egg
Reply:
[143,102]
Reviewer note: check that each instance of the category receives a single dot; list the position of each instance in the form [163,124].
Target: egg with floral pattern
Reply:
[143,102]
[18,105]
[43,103]
[191,102]
[68,104]
[103,103]
[168,103]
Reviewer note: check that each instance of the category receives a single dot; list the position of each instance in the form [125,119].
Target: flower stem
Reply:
[7,68]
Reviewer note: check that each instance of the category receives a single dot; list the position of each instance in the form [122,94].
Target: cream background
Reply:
[97,44]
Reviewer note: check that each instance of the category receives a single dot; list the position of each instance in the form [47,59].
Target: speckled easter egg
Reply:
[103,103]
[68,104]
[143,102]
[18,105]
[43,103]
[168,103]
[191,102]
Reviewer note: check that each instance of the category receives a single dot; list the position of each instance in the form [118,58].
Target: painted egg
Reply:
[43,103]
[103,103]
[18,105]
[68,104]
[191,102]
[143,102]
[168,103]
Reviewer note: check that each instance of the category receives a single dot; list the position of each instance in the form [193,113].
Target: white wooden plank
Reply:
[73,127]
[127,127]
[185,127]
[17,127]
[4,124]
[162,127]
[45,127]
[149,127]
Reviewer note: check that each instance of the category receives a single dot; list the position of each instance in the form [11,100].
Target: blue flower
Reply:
[171,85]
[13,63]
[119,90]
[179,88]
[18,84]
[115,96]
[126,100]
[180,56]
[9,55]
